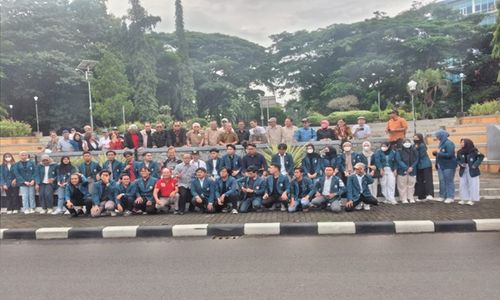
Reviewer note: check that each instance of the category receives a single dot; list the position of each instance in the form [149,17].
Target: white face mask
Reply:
[367,148]
[407,145]
[310,150]
[347,149]
[383,148]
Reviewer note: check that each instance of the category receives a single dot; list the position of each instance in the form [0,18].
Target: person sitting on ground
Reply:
[284,160]
[171,162]
[228,136]
[306,133]
[302,190]
[203,191]
[325,133]
[232,161]
[159,136]
[144,201]
[125,195]
[277,189]
[329,189]
[214,164]
[469,159]
[133,139]
[361,130]
[166,192]
[342,131]
[226,192]
[312,163]
[407,160]
[177,135]
[76,195]
[148,162]
[253,158]
[103,195]
[252,190]
[358,192]
[195,136]
[114,166]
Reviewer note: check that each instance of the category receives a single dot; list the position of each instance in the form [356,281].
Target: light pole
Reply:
[36,114]
[86,67]
[412,87]
[462,77]
[11,107]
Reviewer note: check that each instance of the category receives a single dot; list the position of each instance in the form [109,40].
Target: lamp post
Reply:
[462,77]
[11,107]
[36,114]
[412,87]
[86,67]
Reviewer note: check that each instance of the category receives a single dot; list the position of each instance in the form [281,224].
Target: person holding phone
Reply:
[361,130]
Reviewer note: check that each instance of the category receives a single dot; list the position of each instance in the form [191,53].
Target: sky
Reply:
[255,20]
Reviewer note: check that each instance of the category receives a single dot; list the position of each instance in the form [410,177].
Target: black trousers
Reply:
[202,206]
[127,204]
[424,186]
[87,202]
[273,199]
[230,199]
[12,200]
[144,207]
[185,197]
[362,198]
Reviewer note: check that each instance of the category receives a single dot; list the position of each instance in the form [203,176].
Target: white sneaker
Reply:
[49,211]
[234,211]
[411,200]
[58,211]
[67,212]
[470,203]
[15,211]
[438,199]
[42,211]
[449,201]
[27,212]
[359,206]
[113,214]
[429,197]
[366,207]
[461,202]
[393,202]
[9,212]
[404,201]
[32,210]
[283,208]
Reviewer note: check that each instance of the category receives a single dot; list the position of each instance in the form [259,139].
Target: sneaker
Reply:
[113,214]
[27,212]
[429,197]
[127,213]
[58,211]
[366,207]
[225,210]
[411,201]
[10,212]
[305,209]
[66,212]
[393,202]
[15,211]
[470,203]
[234,211]
[32,210]
[438,199]
[42,211]
[404,201]
[449,201]
[359,206]
[461,202]
[49,211]
[283,207]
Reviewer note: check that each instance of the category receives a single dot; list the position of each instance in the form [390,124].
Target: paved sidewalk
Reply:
[435,211]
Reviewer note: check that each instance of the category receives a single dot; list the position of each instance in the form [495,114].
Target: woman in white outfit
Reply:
[385,160]
[469,159]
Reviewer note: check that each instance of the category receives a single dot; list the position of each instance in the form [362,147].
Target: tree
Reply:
[496,41]
[432,82]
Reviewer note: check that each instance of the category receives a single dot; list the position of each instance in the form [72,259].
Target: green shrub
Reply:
[351,117]
[203,122]
[297,153]
[487,108]
[10,128]
[315,118]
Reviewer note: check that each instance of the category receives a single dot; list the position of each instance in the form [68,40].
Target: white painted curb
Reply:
[487,224]
[262,228]
[190,230]
[1,233]
[52,233]
[119,232]
[336,228]
[414,226]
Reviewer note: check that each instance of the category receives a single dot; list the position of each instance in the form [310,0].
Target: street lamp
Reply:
[11,107]
[36,113]
[412,87]
[462,77]
[86,67]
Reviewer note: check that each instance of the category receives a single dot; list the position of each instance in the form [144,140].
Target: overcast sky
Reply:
[255,20]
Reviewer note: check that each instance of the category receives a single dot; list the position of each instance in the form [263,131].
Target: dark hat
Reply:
[65,131]
[195,152]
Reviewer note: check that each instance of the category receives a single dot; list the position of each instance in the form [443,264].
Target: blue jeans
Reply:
[28,196]
[46,195]
[60,198]
[255,202]
[446,183]
[297,203]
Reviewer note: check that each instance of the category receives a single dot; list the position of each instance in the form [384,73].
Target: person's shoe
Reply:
[73,215]
[234,211]
[438,199]
[10,212]
[305,209]
[404,201]
[470,203]
[32,210]
[392,202]
[449,201]
[181,213]
[80,212]
[283,207]
[113,214]
[27,212]
[42,211]
[15,211]
[49,211]
[127,213]
[366,207]
[67,212]
[225,210]
[411,201]
[461,202]
[429,197]
[359,206]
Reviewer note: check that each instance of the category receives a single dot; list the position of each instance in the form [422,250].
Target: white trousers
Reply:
[406,187]
[469,186]
[374,187]
[388,184]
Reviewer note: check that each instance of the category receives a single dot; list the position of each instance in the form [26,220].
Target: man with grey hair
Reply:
[212,134]
[195,137]
[358,190]
[133,139]
[274,132]
[184,172]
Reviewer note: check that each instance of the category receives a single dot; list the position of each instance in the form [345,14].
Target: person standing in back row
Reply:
[306,133]
[446,163]
[424,188]
[396,129]
[469,159]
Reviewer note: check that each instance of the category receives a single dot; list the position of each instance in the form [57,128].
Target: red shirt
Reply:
[135,140]
[166,187]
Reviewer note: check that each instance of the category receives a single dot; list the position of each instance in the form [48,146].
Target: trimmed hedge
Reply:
[487,108]
[351,117]
[10,128]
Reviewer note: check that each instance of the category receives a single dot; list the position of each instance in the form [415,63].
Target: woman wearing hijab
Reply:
[369,161]
[347,160]
[312,163]
[329,158]
[424,188]
[385,160]
[469,159]
[9,185]
[63,173]
[407,159]
[446,163]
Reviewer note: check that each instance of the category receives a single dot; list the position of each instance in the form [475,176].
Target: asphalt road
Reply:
[427,266]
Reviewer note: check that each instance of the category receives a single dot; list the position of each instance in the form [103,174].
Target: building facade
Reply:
[468,7]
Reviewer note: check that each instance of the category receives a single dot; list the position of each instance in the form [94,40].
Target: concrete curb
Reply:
[255,229]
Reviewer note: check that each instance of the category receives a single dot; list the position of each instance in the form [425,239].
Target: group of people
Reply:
[177,136]
[239,184]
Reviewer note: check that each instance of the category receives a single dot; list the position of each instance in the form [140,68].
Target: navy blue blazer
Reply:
[83,186]
[259,186]
[25,171]
[354,191]
[128,192]
[312,165]
[473,160]
[355,158]
[207,192]
[52,173]
[210,166]
[283,184]
[144,189]
[445,158]
[403,165]
[337,186]
[289,164]
[95,168]
[231,185]
[116,166]
[380,159]
[6,175]
[236,160]
[154,167]
[306,185]
[99,189]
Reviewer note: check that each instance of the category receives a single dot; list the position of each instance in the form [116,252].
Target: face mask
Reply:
[347,149]
[310,151]
[367,148]
[416,141]
[8,159]
[407,145]
[384,148]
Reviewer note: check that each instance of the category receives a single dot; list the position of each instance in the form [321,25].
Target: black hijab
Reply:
[65,168]
[468,147]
